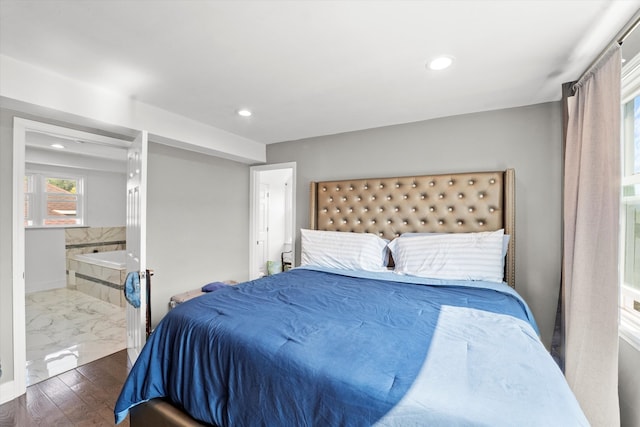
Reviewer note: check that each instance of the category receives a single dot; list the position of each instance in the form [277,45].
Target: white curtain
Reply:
[591,223]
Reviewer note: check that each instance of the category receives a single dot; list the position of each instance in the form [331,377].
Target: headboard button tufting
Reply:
[468,202]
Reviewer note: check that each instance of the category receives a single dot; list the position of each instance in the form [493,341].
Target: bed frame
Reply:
[447,203]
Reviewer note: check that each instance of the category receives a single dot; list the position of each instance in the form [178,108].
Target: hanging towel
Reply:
[213,286]
[132,289]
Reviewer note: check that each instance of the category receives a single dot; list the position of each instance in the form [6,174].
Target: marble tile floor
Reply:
[66,329]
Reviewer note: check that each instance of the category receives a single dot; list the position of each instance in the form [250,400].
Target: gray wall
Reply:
[527,139]
[629,385]
[197,222]
[6,241]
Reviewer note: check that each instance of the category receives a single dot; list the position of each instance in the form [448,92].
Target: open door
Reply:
[273,225]
[136,241]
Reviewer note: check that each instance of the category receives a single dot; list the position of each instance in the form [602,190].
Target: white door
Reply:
[136,241]
[262,242]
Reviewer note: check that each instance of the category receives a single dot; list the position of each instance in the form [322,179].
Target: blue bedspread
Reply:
[314,348]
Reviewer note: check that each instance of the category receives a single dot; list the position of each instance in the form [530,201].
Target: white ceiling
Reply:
[73,146]
[310,68]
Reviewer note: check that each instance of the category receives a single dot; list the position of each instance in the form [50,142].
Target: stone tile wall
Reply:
[98,281]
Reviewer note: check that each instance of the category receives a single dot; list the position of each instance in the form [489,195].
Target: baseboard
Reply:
[45,286]
[7,391]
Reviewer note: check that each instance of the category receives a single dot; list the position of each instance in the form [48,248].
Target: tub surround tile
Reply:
[76,236]
[84,248]
[111,275]
[90,288]
[113,296]
[88,240]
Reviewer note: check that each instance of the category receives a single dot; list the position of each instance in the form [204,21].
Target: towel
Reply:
[213,286]
[132,288]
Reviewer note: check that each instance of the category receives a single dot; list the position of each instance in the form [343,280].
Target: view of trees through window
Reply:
[69,185]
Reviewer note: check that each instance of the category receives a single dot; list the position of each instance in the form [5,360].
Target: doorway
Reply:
[37,304]
[272,231]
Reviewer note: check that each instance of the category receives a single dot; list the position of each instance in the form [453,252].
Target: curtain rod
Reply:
[619,39]
[629,30]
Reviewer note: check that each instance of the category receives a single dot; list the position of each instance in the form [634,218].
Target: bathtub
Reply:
[113,259]
[100,275]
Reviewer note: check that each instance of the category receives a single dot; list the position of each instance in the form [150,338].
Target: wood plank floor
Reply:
[84,396]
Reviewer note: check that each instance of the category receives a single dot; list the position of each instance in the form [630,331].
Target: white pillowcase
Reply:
[454,256]
[343,250]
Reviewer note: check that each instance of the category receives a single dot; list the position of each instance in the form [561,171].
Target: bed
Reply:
[366,332]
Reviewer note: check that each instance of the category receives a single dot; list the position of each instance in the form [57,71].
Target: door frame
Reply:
[12,389]
[254,204]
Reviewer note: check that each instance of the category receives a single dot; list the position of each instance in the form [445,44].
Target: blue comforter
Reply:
[316,348]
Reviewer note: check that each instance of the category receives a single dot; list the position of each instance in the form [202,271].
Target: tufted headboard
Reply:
[447,203]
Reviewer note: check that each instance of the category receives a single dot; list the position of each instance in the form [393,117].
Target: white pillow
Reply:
[343,250]
[505,241]
[453,256]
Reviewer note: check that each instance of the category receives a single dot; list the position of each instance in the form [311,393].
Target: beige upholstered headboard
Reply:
[448,203]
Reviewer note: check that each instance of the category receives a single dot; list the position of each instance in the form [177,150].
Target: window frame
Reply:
[629,319]
[39,199]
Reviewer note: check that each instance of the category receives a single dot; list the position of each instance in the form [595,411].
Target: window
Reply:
[53,200]
[630,216]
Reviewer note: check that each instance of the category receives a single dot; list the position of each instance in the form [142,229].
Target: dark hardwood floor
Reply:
[84,396]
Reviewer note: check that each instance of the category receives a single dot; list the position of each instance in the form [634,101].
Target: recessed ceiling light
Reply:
[244,112]
[58,146]
[440,63]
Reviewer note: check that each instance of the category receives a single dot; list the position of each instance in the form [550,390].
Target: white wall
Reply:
[45,266]
[45,248]
[106,199]
[197,222]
